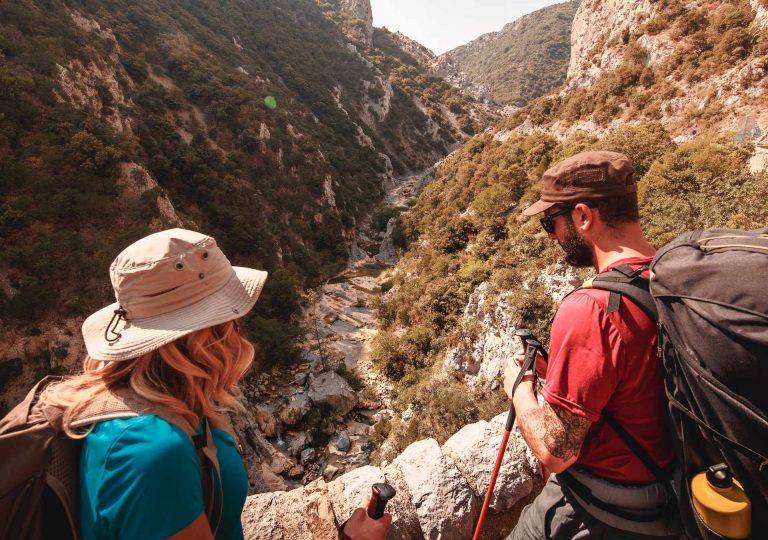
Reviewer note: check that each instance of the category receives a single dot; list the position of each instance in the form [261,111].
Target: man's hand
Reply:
[511,371]
[361,527]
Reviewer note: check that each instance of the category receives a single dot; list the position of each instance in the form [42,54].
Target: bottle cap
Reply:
[719,476]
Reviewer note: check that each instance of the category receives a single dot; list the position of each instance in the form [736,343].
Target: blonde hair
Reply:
[193,377]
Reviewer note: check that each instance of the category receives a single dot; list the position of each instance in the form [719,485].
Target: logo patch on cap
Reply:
[588,176]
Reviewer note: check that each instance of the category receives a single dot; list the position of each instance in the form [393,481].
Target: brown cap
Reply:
[585,177]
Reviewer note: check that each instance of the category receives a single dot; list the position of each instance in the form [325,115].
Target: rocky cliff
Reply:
[526,59]
[440,490]
[695,66]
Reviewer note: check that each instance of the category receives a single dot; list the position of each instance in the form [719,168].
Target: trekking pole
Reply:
[531,349]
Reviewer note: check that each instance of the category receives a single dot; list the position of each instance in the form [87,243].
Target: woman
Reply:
[170,348]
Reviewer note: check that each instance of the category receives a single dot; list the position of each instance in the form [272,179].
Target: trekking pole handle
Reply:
[524,334]
[381,493]
[531,349]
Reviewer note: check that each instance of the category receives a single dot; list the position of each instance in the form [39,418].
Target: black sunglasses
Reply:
[546,222]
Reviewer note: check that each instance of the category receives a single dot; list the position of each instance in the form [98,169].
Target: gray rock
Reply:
[330,471]
[349,490]
[300,514]
[272,482]
[293,411]
[332,389]
[308,455]
[474,448]
[309,356]
[280,463]
[388,252]
[445,504]
[342,441]
[300,378]
[298,444]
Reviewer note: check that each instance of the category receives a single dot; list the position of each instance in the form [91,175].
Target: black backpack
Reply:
[708,292]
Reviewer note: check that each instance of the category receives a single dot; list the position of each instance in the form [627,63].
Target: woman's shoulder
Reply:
[147,438]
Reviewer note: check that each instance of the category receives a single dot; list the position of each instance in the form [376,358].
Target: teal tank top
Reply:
[140,479]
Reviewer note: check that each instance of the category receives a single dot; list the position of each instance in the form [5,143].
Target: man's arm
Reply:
[553,434]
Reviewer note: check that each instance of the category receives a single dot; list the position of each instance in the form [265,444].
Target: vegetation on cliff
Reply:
[252,121]
[705,53]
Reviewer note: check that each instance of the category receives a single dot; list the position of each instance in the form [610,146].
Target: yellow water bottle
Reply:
[721,502]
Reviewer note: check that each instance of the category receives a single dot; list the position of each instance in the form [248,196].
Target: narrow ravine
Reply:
[310,440]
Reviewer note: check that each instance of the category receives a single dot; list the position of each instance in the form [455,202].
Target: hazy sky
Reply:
[443,25]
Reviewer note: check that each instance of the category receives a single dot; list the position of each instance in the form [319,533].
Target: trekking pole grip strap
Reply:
[532,348]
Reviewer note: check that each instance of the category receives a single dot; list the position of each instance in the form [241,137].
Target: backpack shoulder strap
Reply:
[624,281]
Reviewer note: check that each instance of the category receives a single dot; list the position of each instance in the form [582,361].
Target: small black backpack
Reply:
[708,291]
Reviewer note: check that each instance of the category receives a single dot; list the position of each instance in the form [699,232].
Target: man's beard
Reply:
[577,252]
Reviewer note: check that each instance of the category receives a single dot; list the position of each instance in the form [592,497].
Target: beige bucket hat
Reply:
[167,285]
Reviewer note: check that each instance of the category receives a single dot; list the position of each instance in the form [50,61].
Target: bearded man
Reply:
[602,359]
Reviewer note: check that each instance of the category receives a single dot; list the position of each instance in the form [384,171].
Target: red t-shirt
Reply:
[600,360]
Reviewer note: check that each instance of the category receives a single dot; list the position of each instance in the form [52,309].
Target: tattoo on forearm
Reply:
[558,430]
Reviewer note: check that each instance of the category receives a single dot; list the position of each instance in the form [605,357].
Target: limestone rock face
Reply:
[301,514]
[351,489]
[360,10]
[474,448]
[483,359]
[596,23]
[761,13]
[445,504]
[331,388]
[388,252]
[295,409]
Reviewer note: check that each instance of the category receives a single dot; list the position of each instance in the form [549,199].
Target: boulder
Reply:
[300,514]
[473,450]
[272,482]
[298,444]
[268,422]
[332,389]
[296,470]
[330,471]
[308,455]
[342,442]
[351,489]
[280,463]
[358,428]
[405,521]
[445,505]
[301,378]
[293,411]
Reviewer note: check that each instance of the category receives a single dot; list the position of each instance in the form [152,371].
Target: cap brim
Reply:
[140,336]
[538,207]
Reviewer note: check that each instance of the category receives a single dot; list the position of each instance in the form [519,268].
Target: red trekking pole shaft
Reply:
[531,349]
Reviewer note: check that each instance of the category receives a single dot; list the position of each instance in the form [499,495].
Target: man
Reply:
[600,360]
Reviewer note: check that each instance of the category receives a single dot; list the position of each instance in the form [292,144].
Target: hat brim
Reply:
[538,207]
[140,336]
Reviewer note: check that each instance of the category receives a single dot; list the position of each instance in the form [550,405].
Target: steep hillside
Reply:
[476,269]
[259,123]
[526,59]
[693,65]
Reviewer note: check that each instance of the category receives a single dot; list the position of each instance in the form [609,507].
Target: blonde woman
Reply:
[170,349]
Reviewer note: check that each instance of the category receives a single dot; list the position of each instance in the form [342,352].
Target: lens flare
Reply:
[270,102]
